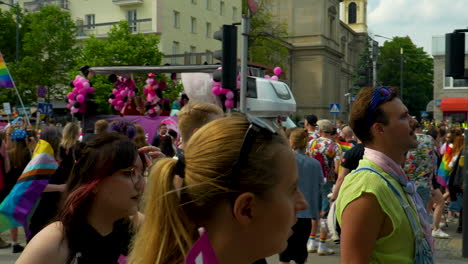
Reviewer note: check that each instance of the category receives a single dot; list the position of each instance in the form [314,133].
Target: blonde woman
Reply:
[238,180]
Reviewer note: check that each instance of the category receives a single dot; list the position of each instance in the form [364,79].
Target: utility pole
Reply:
[401,73]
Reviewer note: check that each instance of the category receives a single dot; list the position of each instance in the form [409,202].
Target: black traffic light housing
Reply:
[455,55]
[228,57]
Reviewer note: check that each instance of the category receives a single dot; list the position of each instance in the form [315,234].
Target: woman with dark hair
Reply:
[100,212]
[19,155]
[68,152]
[166,146]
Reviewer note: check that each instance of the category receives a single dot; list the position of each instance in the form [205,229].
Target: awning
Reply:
[454,104]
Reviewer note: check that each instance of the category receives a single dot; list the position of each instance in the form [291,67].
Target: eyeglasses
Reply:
[381,94]
[256,127]
[133,175]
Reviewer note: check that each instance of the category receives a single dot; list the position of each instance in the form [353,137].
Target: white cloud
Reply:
[419,19]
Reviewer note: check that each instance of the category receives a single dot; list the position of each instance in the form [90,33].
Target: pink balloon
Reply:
[83,91]
[145,91]
[115,91]
[71,101]
[224,91]
[118,108]
[214,83]
[274,78]
[277,70]
[121,104]
[79,85]
[74,110]
[111,101]
[216,90]
[80,98]
[119,97]
[162,85]
[123,93]
[267,77]
[69,106]
[86,85]
[230,95]
[131,94]
[75,90]
[91,90]
[70,96]
[229,103]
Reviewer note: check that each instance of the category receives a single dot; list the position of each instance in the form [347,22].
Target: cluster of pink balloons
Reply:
[123,92]
[218,90]
[276,71]
[77,98]
[153,89]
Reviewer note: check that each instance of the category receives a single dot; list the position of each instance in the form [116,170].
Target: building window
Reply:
[193,25]
[209,57]
[90,21]
[176,19]
[208,30]
[221,8]
[175,50]
[132,20]
[193,56]
[352,13]
[234,13]
[208,4]
[450,83]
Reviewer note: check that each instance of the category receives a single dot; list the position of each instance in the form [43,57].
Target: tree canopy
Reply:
[267,38]
[418,72]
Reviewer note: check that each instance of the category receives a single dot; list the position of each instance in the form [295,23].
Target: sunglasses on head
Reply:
[256,126]
[380,95]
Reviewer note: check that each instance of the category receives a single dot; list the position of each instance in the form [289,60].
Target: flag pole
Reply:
[17,93]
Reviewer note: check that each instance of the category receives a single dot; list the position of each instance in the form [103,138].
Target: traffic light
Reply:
[228,57]
[455,55]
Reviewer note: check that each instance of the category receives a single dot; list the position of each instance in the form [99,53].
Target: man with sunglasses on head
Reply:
[382,217]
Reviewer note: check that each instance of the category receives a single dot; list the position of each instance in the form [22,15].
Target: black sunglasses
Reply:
[257,126]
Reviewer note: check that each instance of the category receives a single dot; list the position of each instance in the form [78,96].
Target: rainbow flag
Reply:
[5,77]
[443,173]
[345,146]
[18,207]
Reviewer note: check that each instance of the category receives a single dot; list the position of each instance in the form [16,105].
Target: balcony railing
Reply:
[38,4]
[102,29]
[127,2]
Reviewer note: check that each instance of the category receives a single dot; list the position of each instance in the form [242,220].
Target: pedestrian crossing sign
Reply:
[335,108]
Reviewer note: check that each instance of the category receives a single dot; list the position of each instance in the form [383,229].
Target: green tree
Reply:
[48,53]
[417,72]
[267,38]
[121,47]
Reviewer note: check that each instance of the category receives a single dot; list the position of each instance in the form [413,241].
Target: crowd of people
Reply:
[235,188]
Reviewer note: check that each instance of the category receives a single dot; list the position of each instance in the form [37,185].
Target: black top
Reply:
[95,248]
[352,157]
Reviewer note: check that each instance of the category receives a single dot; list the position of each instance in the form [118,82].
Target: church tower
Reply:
[355,14]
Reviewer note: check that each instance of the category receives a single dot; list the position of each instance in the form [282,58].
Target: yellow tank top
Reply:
[398,246]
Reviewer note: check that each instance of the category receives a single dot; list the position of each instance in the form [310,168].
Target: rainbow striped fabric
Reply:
[345,146]
[443,174]
[18,207]
[5,77]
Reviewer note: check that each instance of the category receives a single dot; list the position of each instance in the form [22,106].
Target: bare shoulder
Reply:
[48,246]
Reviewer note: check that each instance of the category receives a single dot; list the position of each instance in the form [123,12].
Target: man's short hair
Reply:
[101,126]
[194,115]
[361,120]
[325,126]
[311,119]
[161,125]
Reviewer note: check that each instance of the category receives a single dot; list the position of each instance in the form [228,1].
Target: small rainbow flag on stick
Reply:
[18,207]
[5,77]
[345,146]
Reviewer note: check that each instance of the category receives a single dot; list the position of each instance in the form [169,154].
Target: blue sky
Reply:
[418,19]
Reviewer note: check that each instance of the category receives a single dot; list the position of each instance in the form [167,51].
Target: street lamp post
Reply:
[17,29]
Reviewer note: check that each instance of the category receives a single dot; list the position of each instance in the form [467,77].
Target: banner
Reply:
[5,77]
